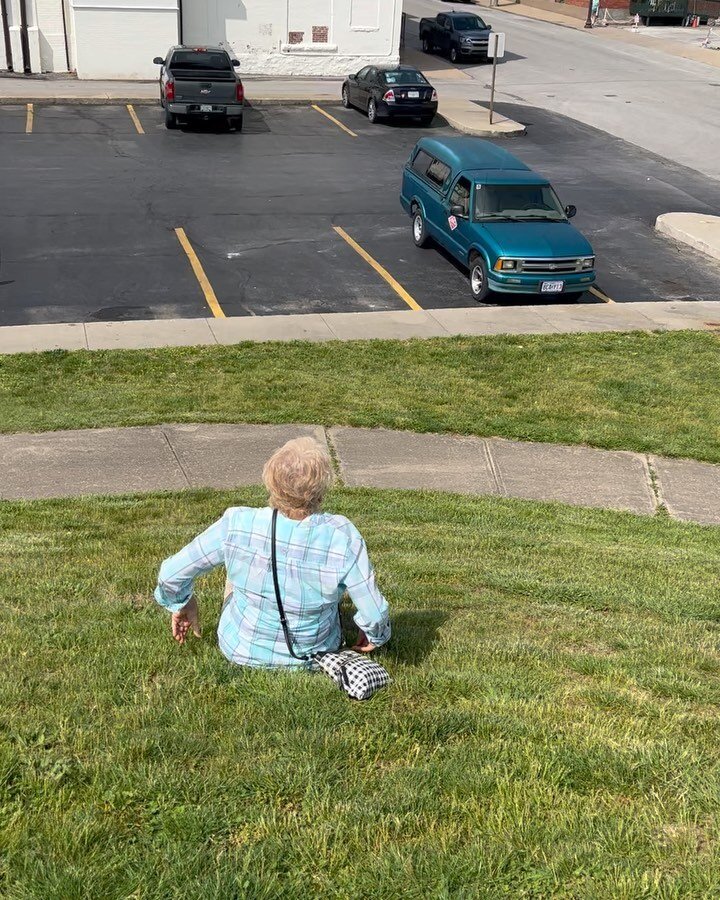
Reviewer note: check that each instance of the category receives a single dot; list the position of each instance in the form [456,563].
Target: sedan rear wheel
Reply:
[372,112]
[345,97]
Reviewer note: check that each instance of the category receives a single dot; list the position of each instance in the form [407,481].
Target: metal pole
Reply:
[588,21]
[492,87]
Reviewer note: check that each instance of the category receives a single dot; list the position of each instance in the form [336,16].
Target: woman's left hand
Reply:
[363,645]
[188,618]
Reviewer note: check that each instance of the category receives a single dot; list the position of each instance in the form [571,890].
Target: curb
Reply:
[696,230]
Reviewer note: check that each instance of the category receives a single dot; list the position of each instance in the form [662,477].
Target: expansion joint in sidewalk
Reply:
[495,471]
[177,458]
[655,485]
[332,449]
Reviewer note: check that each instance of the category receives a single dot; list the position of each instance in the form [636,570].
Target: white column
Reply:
[13,9]
[33,35]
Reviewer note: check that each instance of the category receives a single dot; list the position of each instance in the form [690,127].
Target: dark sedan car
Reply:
[399,92]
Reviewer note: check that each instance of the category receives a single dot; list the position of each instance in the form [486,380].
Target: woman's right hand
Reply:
[363,645]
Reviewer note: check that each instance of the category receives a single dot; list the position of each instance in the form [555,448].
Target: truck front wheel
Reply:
[453,55]
[479,286]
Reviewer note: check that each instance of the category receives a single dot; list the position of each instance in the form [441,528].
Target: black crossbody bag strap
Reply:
[276,583]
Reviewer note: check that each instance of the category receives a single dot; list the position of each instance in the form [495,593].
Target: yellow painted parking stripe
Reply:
[333,119]
[30,118]
[601,296]
[382,272]
[136,121]
[209,293]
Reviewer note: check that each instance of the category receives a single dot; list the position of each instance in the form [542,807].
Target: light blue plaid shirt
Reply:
[319,558]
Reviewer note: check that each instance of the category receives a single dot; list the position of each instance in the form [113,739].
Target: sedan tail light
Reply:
[239,92]
[389,96]
[434,95]
[169,90]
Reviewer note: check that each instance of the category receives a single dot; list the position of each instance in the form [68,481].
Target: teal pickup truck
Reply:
[497,217]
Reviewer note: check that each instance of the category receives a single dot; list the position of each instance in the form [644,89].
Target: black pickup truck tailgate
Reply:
[204,87]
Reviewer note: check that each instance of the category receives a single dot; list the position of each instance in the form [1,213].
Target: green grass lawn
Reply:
[647,392]
[552,730]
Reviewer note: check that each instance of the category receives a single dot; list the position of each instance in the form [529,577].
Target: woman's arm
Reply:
[178,573]
[372,616]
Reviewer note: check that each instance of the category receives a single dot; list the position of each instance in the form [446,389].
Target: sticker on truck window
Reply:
[452,222]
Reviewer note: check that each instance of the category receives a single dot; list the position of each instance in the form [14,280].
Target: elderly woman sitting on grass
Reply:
[320,556]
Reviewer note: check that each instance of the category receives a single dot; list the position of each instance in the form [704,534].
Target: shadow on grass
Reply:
[415,633]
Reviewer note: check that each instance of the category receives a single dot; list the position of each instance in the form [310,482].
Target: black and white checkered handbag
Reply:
[355,674]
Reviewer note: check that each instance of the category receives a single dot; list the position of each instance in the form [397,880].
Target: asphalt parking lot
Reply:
[108,216]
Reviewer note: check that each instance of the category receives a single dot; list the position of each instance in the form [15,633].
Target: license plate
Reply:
[414,95]
[551,287]
[205,107]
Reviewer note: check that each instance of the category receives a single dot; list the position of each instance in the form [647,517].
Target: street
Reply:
[665,104]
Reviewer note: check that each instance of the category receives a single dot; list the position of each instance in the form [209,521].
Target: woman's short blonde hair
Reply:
[297,477]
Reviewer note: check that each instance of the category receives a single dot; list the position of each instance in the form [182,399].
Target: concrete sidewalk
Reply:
[395,325]
[177,457]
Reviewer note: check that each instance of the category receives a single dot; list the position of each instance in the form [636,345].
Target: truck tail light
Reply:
[239,92]
[169,90]
[389,96]
[434,96]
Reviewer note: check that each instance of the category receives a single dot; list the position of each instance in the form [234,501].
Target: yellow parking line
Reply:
[333,119]
[30,118]
[202,278]
[136,121]
[601,296]
[383,273]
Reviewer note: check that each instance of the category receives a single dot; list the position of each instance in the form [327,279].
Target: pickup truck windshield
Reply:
[517,202]
[404,78]
[207,60]
[468,23]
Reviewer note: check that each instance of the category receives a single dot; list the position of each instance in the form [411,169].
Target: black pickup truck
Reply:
[200,82]
[460,35]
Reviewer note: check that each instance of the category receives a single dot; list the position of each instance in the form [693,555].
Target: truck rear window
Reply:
[468,23]
[213,60]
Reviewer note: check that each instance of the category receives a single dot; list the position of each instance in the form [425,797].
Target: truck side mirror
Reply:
[458,210]
[159,61]
[570,211]
[234,63]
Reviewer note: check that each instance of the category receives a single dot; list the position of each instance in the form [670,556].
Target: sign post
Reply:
[496,51]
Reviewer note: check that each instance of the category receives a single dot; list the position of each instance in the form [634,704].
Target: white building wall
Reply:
[51,33]
[120,39]
[45,33]
[286,37]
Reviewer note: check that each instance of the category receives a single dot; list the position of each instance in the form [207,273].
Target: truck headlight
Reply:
[588,262]
[506,265]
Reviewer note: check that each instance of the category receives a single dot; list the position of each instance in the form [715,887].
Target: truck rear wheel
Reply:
[170,119]
[427,46]
[236,122]
[419,228]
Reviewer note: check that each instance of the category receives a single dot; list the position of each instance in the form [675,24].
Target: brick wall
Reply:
[609,4]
